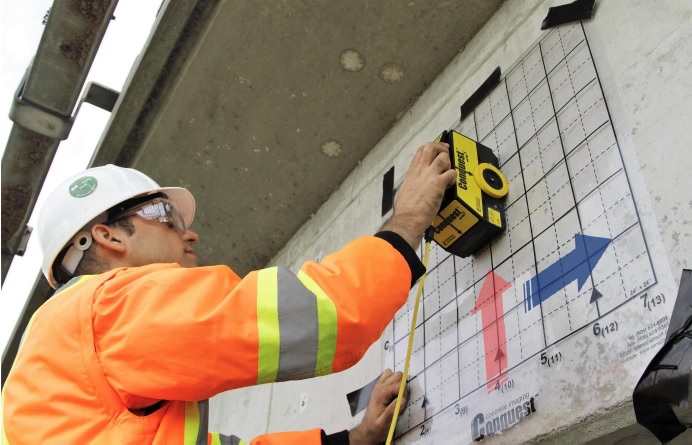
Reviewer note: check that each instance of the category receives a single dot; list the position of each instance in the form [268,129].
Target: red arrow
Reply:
[489,303]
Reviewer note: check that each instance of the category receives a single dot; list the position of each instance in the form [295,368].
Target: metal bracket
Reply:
[47,122]
[21,248]
[36,118]
[100,96]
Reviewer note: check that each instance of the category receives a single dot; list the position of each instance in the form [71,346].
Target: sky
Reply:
[21,28]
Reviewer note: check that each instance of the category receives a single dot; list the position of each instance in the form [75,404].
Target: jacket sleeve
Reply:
[308,437]
[314,436]
[165,332]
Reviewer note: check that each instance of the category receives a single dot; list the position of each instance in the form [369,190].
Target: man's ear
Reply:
[109,237]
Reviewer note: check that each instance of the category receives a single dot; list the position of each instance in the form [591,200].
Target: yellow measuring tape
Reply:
[402,387]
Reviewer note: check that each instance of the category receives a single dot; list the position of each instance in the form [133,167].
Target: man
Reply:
[137,337]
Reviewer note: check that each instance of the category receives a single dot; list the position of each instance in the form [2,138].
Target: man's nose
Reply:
[190,236]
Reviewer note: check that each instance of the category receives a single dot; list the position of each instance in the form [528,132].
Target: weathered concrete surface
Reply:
[265,107]
[642,51]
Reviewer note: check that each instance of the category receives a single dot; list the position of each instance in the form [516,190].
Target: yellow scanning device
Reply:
[472,211]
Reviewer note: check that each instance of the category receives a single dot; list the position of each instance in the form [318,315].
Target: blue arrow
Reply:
[576,265]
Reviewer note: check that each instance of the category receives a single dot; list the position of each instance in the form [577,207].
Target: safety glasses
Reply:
[160,209]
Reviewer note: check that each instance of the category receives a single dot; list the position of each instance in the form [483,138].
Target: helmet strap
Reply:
[81,242]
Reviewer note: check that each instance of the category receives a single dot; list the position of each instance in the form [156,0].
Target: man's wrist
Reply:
[408,226]
[357,436]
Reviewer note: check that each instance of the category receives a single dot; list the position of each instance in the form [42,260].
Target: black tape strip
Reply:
[575,11]
[358,399]
[388,191]
[476,98]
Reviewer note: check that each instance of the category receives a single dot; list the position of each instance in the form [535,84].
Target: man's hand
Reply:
[421,193]
[380,411]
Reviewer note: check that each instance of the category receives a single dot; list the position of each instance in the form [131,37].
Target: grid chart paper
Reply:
[482,317]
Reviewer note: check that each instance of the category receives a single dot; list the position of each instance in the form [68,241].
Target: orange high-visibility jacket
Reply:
[126,340]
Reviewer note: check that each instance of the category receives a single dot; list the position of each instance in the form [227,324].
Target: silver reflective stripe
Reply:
[203,432]
[70,283]
[297,308]
[229,440]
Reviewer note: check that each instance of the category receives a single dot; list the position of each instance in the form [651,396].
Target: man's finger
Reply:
[388,412]
[449,177]
[442,162]
[404,404]
[395,376]
[386,375]
[391,392]
[392,386]
[392,389]
[431,150]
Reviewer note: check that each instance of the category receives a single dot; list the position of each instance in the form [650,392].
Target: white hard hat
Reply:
[87,195]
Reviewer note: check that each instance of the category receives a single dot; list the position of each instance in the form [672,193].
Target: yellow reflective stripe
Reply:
[74,281]
[268,325]
[215,439]
[191,423]
[84,278]
[4,438]
[327,322]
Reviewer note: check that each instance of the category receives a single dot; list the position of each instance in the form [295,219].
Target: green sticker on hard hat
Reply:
[83,187]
